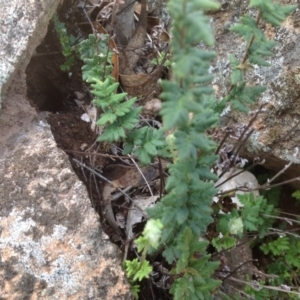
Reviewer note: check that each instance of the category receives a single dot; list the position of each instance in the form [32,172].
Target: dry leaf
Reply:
[95,2]
[152,22]
[131,54]
[137,212]
[79,103]
[91,111]
[83,146]
[85,117]
[120,219]
[134,178]
[140,84]
[152,107]
[79,95]
[138,7]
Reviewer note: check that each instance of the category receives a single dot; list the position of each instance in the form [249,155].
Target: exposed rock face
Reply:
[51,242]
[51,246]
[282,80]
[23,25]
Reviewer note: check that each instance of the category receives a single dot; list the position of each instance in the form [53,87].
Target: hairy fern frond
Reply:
[258,49]
[117,115]
[146,143]
[188,109]
[66,42]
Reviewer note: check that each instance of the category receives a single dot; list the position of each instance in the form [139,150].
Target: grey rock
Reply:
[51,242]
[281,99]
[52,245]
[23,25]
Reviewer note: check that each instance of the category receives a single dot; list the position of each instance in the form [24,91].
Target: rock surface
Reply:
[281,99]
[23,25]
[51,246]
[51,242]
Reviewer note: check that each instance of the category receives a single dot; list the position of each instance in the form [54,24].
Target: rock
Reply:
[23,25]
[281,99]
[51,243]
[244,180]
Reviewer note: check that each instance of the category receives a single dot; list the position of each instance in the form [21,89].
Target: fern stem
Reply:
[246,55]
[251,40]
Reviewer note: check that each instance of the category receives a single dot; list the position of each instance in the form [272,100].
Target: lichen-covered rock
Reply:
[23,25]
[51,242]
[282,79]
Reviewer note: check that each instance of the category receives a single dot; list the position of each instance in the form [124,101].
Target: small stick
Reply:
[102,177]
[140,171]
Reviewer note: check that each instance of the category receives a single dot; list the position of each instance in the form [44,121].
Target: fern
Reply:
[296,195]
[138,269]
[256,213]
[261,294]
[277,247]
[118,115]
[197,281]
[189,109]
[285,254]
[186,210]
[96,57]
[66,42]
[273,13]
[146,143]
[224,242]
[258,48]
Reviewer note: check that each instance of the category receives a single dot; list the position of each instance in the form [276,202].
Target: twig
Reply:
[262,161]
[140,171]
[238,267]
[92,163]
[280,232]
[282,170]
[288,220]
[82,170]
[246,189]
[252,39]
[162,179]
[265,185]
[223,141]
[89,20]
[236,174]
[102,177]
[110,182]
[96,154]
[47,53]
[289,214]
[256,285]
[237,148]
[248,48]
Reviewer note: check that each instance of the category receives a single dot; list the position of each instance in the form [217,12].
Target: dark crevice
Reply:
[50,89]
